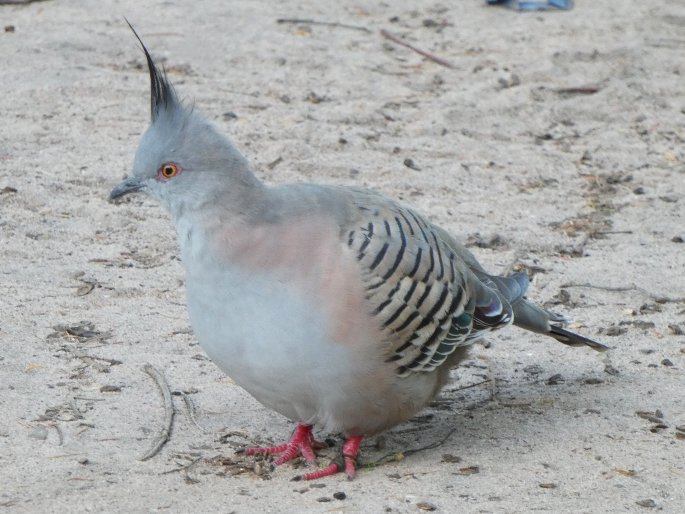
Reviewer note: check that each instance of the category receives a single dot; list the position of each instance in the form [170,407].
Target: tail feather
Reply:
[572,339]
[531,317]
[512,290]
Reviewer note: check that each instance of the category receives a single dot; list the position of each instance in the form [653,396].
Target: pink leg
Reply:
[302,443]
[350,452]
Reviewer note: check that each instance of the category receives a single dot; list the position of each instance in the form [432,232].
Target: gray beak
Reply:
[129,185]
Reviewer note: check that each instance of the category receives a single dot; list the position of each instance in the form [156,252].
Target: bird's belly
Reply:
[271,339]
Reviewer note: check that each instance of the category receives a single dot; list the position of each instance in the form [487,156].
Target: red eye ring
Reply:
[168,171]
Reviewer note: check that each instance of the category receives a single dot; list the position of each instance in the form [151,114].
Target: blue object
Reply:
[534,5]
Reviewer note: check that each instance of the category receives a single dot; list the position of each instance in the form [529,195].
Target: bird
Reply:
[335,306]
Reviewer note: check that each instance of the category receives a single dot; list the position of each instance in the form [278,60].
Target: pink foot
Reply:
[302,443]
[350,452]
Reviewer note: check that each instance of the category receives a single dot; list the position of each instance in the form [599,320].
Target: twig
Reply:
[275,162]
[470,385]
[191,410]
[111,362]
[493,384]
[325,23]
[165,432]
[655,297]
[183,468]
[2,2]
[392,456]
[427,55]
[589,89]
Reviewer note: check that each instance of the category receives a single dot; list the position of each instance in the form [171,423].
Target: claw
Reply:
[303,443]
[349,452]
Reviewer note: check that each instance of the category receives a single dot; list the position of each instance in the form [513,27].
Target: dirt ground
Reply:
[552,143]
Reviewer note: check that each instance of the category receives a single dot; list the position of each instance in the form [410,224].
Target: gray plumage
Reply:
[335,306]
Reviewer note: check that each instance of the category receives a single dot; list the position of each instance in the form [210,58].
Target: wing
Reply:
[427,300]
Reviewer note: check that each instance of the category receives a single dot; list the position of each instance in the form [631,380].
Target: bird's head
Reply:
[182,160]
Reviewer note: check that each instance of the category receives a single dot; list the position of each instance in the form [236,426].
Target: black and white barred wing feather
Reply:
[425,297]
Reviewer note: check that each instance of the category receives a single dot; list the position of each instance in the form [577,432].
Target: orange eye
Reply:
[168,170]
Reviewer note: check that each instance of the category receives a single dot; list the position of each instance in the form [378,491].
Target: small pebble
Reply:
[548,485]
[667,362]
[533,369]
[409,163]
[83,461]
[615,331]
[675,329]
[511,81]
[649,415]
[324,499]
[315,98]
[646,503]
[644,325]
[426,506]
[470,470]
[339,495]
[593,381]
[650,307]
[610,370]
[555,379]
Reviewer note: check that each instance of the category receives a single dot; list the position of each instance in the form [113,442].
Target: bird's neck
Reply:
[210,232]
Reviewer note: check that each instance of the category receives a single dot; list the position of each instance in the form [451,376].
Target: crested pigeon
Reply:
[337,307]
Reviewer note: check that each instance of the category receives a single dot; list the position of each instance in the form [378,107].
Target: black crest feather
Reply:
[162,95]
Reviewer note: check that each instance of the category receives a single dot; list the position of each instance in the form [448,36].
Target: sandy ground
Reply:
[553,144]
